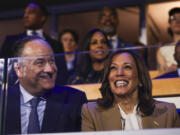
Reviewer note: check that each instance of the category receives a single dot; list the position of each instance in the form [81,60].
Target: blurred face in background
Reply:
[68,42]
[33,17]
[98,47]
[175,23]
[108,22]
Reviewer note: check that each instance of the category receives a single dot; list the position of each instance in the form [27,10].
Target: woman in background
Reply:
[90,64]
[165,58]
[66,63]
[69,40]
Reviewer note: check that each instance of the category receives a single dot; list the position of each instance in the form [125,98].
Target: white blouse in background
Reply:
[168,53]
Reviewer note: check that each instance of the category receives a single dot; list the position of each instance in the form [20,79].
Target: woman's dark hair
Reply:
[146,102]
[72,32]
[174,11]
[85,44]
[84,57]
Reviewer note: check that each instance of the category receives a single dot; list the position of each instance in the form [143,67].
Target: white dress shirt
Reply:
[113,41]
[25,109]
[39,32]
[130,121]
[70,64]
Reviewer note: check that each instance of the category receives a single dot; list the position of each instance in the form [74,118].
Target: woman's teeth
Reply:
[121,83]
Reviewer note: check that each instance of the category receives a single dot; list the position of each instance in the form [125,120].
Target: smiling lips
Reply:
[46,76]
[121,83]
[100,52]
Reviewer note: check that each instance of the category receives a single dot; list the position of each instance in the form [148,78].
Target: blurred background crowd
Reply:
[149,28]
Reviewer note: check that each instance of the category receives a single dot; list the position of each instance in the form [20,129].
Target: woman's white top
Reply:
[130,121]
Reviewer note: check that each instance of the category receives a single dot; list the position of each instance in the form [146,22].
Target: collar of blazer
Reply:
[111,119]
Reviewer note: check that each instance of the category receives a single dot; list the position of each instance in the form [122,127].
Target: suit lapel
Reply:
[52,114]
[120,44]
[13,121]
[47,38]
[149,122]
[111,118]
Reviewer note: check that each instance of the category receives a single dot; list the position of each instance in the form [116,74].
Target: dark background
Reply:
[8,5]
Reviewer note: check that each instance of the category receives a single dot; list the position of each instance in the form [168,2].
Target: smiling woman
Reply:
[123,76]
[127,102]
[96,49]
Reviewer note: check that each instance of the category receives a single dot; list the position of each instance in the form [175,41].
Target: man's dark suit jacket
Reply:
[63,73]
[62,112]
[122,44]
[7,46]
[173,74]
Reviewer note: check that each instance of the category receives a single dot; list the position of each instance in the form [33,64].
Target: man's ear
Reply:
[18,69]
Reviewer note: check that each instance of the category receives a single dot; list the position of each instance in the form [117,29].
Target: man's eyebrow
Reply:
[38,59]
[43,58]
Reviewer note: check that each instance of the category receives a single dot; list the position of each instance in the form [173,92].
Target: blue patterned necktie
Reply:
[34,126]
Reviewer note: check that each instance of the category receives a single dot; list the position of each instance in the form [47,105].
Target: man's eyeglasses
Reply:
[174,18]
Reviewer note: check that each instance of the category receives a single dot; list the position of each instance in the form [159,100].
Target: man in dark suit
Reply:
[175,73]
[57,109]
[108,21]
[35,16]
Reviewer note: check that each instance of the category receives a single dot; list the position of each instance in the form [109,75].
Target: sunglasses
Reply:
[174,18]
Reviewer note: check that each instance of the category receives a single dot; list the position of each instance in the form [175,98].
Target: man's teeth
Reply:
[121,83]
